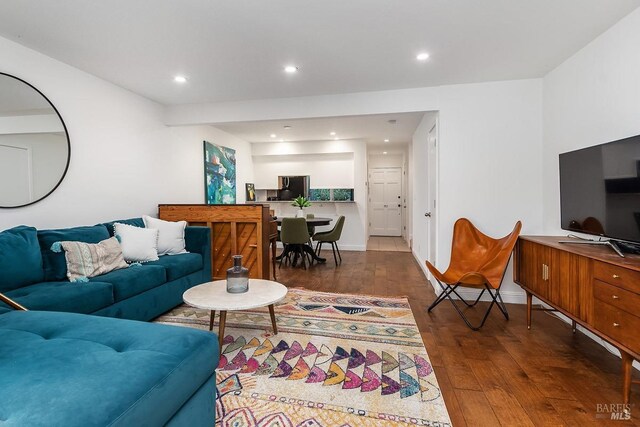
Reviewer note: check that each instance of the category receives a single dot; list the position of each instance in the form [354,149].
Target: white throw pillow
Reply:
[138,244]
[170,235]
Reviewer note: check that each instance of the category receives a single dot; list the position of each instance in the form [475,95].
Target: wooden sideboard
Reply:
[591,285]
[245,230]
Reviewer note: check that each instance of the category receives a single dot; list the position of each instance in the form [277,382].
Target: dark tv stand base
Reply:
[609,243]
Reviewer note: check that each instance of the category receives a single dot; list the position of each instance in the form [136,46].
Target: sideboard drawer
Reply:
[617,297]
[617,324]
[622,277]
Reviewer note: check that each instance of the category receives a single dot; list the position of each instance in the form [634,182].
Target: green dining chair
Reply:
[311,228]
[331,237]
[294,236]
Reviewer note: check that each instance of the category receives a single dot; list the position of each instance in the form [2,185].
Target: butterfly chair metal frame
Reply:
[477,261]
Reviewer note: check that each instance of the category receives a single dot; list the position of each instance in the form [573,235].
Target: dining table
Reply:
[311,223]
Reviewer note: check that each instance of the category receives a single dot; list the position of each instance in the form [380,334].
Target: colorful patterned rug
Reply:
[338,360]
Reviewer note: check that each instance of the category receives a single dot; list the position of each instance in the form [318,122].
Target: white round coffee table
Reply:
[213,296]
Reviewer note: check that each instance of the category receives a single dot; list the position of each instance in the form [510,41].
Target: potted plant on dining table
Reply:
[301,202]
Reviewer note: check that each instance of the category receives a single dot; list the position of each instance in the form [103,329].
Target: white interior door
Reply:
[385,201]
[15,168]
[432,171]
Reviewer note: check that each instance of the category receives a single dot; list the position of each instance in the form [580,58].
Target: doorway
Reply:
[385,201]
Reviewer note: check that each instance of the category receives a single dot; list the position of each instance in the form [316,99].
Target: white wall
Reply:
[419,162]
[592,98]
[115,138]
[327,170]
[353,152]
[185,156]
[490,147]
[124,159]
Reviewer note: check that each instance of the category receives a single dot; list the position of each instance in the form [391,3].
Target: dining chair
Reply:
[331,237]
[477,261]
[294,236]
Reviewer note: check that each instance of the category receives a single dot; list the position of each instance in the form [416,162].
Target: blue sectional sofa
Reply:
[65,362]
[38,279]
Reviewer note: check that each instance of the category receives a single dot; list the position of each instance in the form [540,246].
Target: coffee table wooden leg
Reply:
[223,321]
[273,319]
[213,314]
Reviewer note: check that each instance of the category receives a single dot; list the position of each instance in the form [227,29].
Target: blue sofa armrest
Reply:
[198,240]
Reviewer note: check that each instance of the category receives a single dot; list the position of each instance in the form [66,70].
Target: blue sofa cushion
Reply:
[180,265]
[133,280]
[64,296]
[75,370]
[20,258]
[136,222]
[55,265]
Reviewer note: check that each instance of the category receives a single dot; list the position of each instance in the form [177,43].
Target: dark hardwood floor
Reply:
[501,375]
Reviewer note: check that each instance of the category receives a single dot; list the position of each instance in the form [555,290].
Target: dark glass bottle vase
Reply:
[237,277]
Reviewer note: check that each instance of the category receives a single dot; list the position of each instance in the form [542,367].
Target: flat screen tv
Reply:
[600,190]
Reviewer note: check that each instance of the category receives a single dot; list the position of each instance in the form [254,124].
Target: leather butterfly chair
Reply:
[477,261]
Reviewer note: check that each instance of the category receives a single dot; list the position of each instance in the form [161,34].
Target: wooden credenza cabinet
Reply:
[591,285]
[245,230]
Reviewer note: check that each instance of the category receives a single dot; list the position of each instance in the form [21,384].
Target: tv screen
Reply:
[600,190]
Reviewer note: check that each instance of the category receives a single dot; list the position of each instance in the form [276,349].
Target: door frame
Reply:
[403,209]
[433,186]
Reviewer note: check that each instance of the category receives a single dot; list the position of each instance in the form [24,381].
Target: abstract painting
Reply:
[219,174]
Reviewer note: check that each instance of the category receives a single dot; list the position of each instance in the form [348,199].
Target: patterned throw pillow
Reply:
[86,260]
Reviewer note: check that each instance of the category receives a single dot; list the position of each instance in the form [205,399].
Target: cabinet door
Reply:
[564,285]
[533,267]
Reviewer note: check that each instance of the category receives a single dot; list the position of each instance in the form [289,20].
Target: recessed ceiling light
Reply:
[287,127]
[384,152]
[422,56]
[386,140]
[273,135]
[335,139]
[180,79]
[332,133]
[290,69]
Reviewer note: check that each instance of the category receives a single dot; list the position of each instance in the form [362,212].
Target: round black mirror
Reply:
[34,144]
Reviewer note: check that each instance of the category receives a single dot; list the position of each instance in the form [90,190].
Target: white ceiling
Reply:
[373,129]
[235,50]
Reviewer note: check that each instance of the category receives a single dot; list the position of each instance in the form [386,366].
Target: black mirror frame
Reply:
[66,132]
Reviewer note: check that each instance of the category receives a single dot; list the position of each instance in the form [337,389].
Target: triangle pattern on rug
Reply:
[423,367]
[335,375]
[389,386]
[405,362]
[266,347]
[372,358]
[237,362]
[300,371]
[409,385]
[340,354]
[355,359]
[309,350]
[294,351]
[268,366]
[317,375]
[283,370]
[351,381]
[254,342]
[370,380]
[350,310]
[388,363]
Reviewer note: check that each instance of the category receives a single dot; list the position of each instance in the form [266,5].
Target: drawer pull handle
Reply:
[615,325]
[615,276]
[615,297]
